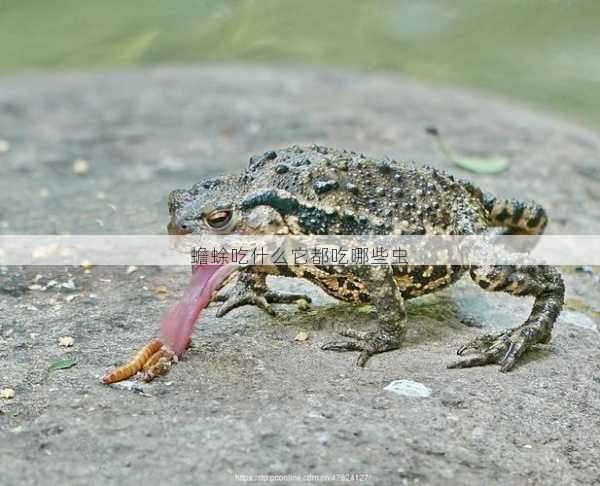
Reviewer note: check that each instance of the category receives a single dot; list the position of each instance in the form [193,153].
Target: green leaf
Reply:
[492,164]
[62,364]
[481,165]
[9,413]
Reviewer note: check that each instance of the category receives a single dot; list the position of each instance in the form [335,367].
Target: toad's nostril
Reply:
[178,227]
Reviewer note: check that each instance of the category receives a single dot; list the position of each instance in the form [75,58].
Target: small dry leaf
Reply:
[161,290]
[7,393]
[80,167]
[44,251]
[4,146]
[66,341]
[301,336]
[87,265]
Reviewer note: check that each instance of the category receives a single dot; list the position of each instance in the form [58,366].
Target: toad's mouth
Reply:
[178,322]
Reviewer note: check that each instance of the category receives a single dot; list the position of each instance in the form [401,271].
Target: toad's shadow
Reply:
[461,310]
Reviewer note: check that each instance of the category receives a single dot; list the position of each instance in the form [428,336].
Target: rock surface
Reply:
[248,399]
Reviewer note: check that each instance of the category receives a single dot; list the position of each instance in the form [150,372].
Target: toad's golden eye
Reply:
[219,219]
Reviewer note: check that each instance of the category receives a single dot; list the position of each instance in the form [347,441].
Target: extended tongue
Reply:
[178,322]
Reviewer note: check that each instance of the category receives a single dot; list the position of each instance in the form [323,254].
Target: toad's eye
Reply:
[219,219]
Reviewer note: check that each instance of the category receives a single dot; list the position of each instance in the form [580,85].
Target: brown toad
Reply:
[323,191]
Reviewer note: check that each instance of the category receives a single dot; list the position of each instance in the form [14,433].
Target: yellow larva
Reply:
[136,364]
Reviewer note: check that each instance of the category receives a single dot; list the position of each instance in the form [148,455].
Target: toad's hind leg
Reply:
[517,217]
[542,282]
[391,316]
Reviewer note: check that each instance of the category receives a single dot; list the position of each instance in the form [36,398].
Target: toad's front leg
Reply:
[250,288]
[391,315]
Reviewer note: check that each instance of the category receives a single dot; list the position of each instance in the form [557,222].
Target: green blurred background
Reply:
[541,52]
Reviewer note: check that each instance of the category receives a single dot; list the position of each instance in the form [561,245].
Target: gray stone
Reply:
[245,388]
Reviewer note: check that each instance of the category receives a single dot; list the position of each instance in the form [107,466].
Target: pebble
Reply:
[408,388]
[80,167]
[301,336]
[66,341]
[324,438]
[7,393]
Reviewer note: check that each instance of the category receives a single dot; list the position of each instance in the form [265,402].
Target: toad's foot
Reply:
[503,349]
[237,297]
[369,343]
[153,360]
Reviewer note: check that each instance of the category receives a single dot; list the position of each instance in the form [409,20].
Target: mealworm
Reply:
[152,360]
[136,364]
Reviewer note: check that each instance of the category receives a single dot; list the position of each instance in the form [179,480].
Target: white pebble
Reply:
[408,388]
[66,341]
[80,167]
[4,146]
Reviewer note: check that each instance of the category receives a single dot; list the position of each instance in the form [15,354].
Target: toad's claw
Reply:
[260,299]
[503,349]
[230,303]
[480,342]
[372,342]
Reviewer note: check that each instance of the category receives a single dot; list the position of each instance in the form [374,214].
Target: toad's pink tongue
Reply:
[178,322]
